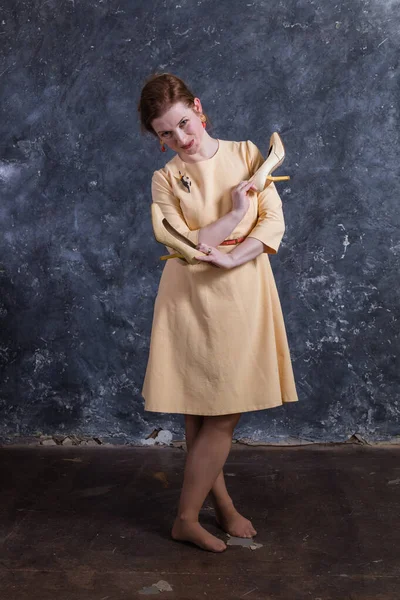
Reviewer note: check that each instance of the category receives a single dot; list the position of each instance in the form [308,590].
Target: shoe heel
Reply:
[280,178]
[168,256]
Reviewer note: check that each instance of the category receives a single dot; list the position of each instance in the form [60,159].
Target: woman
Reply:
[218,344]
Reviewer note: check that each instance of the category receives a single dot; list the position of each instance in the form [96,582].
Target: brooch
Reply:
[185,181]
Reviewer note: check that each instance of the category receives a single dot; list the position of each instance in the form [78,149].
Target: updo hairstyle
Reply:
[160,92]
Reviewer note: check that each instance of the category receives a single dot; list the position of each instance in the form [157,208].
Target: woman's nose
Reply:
[180,137]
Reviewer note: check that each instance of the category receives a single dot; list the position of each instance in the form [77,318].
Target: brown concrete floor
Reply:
[93,523]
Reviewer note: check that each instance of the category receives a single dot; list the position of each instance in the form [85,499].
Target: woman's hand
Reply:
[240,198]
[216,257]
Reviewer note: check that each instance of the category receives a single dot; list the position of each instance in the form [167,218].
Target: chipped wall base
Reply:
[354,439]
[165,438]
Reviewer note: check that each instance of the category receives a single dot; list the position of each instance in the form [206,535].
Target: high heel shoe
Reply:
[276,155]
[169,236]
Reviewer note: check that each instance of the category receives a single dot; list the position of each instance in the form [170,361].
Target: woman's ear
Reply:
[197,105]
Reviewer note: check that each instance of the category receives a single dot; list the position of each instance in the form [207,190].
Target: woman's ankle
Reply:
[223,504]
[187,517]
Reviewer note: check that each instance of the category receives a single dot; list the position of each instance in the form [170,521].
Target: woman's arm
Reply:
[264,237]
[217,232]
[247,250]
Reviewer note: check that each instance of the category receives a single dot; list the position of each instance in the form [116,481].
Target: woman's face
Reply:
[181,126]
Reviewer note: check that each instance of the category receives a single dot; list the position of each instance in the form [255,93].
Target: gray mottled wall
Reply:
[79,264]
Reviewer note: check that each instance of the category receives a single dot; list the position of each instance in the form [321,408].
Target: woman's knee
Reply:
[223,423]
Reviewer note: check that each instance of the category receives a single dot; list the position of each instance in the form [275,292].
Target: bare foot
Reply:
[234,523]
[192,531]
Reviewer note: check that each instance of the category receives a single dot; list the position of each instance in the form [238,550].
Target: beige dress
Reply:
[218,342]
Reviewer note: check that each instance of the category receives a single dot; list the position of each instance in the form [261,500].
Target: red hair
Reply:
[160,92]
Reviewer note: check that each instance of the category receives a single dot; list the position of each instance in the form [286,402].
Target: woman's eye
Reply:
[168,133]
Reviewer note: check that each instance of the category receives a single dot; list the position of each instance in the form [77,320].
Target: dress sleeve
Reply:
[270,226]
[163,195]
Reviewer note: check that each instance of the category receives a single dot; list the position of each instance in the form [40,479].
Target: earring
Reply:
[204,120]
[163,148]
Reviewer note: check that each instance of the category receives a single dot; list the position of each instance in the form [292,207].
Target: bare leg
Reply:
[227,516]
[204,462]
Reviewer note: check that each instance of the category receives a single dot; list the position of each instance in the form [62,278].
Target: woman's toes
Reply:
[221,546]
[252,530]
[193,532]
[237,525]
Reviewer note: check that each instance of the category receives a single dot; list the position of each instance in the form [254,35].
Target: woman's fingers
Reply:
[204,248]
[250,184]
[246,185]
